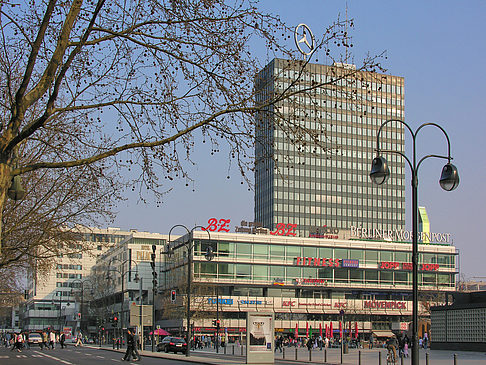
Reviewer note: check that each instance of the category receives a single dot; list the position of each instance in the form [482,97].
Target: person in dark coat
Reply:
[130,347]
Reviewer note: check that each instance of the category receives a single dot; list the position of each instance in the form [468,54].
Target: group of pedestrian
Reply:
[131,351]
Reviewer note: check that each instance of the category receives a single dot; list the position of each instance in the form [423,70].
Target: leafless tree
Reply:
[99,96]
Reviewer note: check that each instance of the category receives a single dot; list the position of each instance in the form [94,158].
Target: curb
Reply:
[211,361]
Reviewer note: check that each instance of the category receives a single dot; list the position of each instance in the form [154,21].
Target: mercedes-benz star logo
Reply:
[304,39]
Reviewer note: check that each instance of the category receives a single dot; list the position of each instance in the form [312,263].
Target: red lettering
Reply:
[280,231]
[291,229]
[224,225]
[212,225]
[317,261]
[336,262]
[407,266]
[298,260]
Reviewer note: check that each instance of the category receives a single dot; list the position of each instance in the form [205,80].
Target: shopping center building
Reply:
[308,282]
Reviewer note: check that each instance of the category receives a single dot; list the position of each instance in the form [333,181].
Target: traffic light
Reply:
[217,323]
[214,323]
[173,296]
[115,321]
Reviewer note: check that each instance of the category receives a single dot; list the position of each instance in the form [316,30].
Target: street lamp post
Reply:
[209,256]
[189,246]
[449,180]
[122,273]
[82,299]
[140,301]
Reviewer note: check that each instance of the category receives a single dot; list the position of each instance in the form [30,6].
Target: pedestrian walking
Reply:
[45,340]
[79,340]
[62,338]
[52,339]
[130,347]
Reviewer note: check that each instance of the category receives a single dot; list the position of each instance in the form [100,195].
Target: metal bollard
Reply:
[402,360]
[233,350]
[455,359]
[359,357]
[283,352]
[426,358]
[296,353]
[241,350]
[310,355]
[224,349]
[325,355]
[379,357]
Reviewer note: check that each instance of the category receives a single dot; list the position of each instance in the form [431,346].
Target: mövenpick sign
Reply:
[398,235]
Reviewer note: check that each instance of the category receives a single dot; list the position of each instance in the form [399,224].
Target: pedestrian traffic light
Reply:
[214,322]
[173,296]
[115,321]
[217,323]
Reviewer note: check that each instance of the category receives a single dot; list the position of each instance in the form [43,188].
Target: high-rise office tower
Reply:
[312,171]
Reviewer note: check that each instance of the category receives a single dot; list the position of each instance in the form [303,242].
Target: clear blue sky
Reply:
[440,50]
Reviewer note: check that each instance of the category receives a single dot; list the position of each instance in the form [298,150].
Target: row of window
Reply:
[66,284]
[65,275]
[326,275]
[289,253]
[69,267]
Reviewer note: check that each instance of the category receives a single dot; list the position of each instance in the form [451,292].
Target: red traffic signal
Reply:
[173,296]
[115,318]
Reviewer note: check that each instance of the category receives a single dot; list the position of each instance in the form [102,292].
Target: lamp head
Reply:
[379,170]
[449,179]
[136,279]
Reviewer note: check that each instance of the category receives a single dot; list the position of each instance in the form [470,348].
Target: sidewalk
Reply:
[368,357]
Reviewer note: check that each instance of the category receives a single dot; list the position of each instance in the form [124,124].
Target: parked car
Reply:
[175,344]
[35,338]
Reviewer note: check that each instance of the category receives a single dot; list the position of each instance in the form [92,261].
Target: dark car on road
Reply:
[173,344]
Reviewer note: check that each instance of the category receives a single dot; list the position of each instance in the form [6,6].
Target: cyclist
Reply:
[392,345]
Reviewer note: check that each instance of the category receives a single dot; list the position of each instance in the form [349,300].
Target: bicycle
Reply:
[390,357]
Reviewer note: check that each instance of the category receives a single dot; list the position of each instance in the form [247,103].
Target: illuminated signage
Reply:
[350,263]
[251,302]
[221,301]
[283,229]
[384,304]
[392,265]
[252,228]
[324,232]
[217,225]
[398,235]
[317,261]
[301,281]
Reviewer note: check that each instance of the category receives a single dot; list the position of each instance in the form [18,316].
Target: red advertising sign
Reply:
[215,225]
[384,304]
[283,229]
[392,265]
[317,261]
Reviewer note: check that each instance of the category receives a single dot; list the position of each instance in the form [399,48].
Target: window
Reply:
[260,251]
[260,272]
[243,271]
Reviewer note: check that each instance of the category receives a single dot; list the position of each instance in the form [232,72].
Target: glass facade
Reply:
[313,151]
[319,266]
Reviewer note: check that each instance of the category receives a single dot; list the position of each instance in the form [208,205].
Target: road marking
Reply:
[22,356]
[4,357]
[55,358]
[101,357]
[36,356]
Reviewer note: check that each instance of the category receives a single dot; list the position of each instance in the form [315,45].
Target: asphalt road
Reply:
[73,356]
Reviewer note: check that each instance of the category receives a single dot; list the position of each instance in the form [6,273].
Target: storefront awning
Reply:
[383,333]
